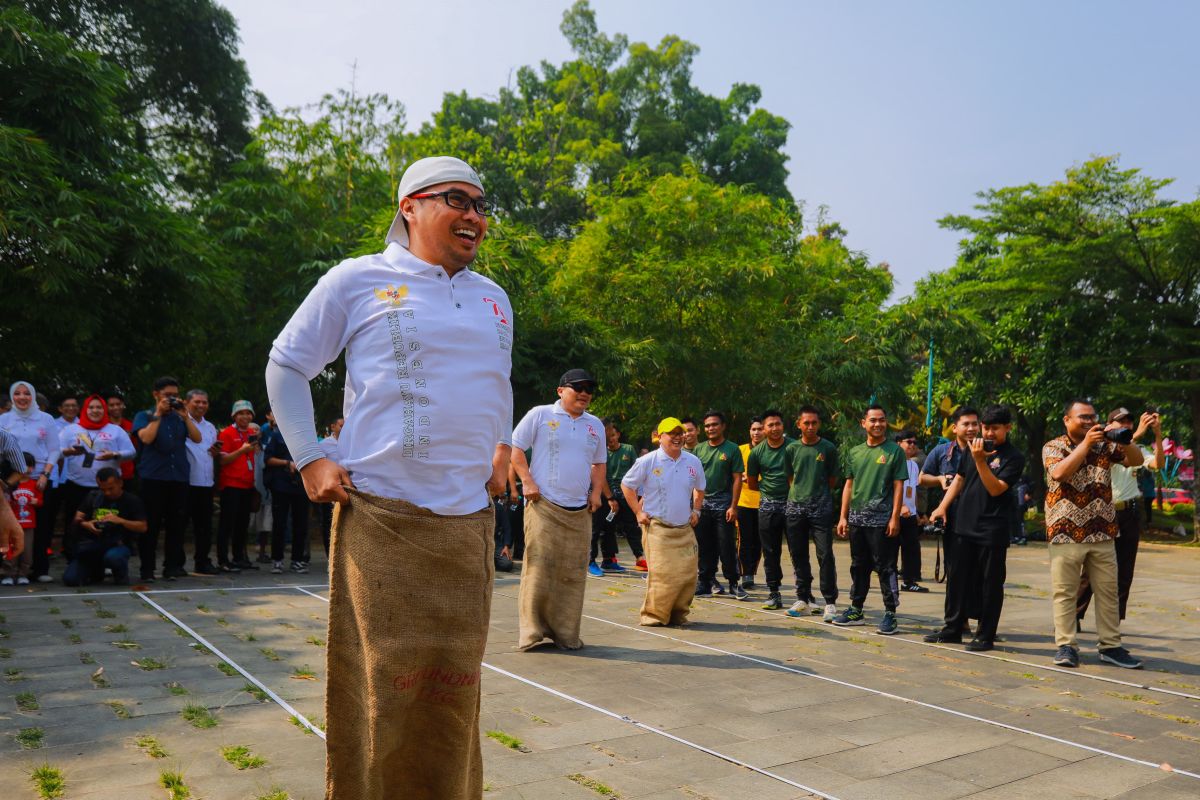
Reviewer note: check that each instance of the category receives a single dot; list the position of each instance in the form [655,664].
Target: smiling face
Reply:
[197,406]
[875,424]
[967,428]
[243,418]
[909,446]
[439,234]
[756,433]
[672,443]
[773,427]
[690,434]
[575,401]
[612,437]
[95,410]
[1079,420]
[69,409]
[22,398]
[116,409]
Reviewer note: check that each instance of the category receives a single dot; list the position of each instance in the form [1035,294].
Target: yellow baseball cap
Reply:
[668,425]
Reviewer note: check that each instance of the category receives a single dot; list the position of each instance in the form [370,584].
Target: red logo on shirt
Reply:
[497,310]
[692,471]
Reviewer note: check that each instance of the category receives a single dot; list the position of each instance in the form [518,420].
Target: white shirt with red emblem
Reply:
[666,484]
[564,450]
[428,358]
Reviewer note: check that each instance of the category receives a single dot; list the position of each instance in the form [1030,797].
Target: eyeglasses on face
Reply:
[582,387]
[460,201]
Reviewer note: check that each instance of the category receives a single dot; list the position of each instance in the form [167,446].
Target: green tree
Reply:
[96,263]
[1089,285]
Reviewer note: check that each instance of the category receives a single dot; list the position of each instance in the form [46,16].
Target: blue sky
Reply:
[900,111]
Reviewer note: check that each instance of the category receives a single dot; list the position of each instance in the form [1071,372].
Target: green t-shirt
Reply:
[720,465]
[619,462]
[874,469]
[769,465]
[811,467]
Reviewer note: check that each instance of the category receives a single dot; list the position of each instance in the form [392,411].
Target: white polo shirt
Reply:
[665,484]
[428,358]
[329,447]
[112,438]
[200,460]
[909,492]
[564,450]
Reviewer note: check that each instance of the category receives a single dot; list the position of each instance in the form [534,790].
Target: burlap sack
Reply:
[553,575]
[671,584]
[402,703]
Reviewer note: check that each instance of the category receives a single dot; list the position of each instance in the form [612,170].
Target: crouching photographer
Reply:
[983,488]
[106,522]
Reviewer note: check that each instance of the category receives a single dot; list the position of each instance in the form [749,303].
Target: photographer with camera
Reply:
[239,445]
[106,520]
[983,489]
[1126,499]
[1081,526]
[164,469]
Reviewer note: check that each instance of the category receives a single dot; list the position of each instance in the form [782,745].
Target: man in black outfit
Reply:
[108,519]
[983,486]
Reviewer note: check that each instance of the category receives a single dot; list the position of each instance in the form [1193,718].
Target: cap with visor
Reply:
[422,174]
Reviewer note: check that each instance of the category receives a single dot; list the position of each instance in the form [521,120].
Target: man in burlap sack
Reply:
[563,487]
[665,489]
[428,416]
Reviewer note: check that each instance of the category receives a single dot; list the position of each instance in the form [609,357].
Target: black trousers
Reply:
[976,577]
[200,511]
[71,495]
[872,550]
[326,512]
[749,542]
[516,517]
[165,501]
[772,527]
[502,532]
[43,534]
[1129,523]
[910,550]
[716,539]
[800,529]
[604,533]
[286,507]
[235,519]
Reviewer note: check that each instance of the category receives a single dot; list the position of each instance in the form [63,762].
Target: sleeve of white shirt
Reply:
[318,331]
[66,437]
[636,474]
[123,442]
[600,456]
[701,481]
[523,435]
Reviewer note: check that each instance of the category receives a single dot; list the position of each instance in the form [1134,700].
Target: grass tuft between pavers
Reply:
[49,781]
[198,716]
[150,664]
[508,740]
[30,738]
[239,755]
[593,784]
[275,794]
[225,669]
[26,701]
[173,783]
[150,746]
[256,692]
[120,709]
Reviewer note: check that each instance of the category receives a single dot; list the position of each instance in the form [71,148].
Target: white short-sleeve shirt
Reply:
[909,493]
[428,359]
[329,448]
[112,438]
[665,484]
[38,435]
[200,460]
[564,450]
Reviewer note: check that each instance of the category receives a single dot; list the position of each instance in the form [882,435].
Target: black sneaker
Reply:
[747,581]
[737,591]
[263,558]
[942,637]
[1067,656]
[206,569]
[243,564]
[1120,657]
[717,588]
[703,589]
[913,587]
[774,602]
[978,645]
[228,569]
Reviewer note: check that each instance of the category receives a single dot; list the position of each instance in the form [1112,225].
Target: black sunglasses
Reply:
[583,386]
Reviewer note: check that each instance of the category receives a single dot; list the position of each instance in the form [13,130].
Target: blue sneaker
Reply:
[611,565]
[851,616]
[887,625]
[594,570]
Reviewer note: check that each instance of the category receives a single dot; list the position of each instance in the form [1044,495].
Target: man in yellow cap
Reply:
[665,490]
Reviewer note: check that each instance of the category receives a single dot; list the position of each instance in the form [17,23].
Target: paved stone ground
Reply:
[843,712]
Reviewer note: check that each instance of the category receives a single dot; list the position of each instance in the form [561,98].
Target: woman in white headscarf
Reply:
[37,433]
[34,429]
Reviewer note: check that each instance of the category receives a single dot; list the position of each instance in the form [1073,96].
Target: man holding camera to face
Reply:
[983,487]
[1081,527]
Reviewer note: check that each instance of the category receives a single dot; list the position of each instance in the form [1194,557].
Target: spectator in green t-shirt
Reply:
[871,502]
[766,473]
[812,467]
[716,536]
[614,514]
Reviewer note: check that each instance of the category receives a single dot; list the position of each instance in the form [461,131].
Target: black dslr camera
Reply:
[934,528]
[1119,435]
[174,403]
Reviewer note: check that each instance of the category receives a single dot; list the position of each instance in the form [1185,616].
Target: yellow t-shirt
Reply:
[749,497]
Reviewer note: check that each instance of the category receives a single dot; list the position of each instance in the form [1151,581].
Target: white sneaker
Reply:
[798,608]
[277,568]
[22,581]
[45,579]
[6,581]
[830,613]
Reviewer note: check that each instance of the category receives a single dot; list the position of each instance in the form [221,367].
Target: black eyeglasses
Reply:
[586,388]
[460,200]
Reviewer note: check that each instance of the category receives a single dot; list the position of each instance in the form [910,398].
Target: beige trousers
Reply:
[1100,561]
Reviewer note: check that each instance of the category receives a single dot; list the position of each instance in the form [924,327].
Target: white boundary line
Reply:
[131,592]
[636,724]
[283,703]
[901,698]
[1074,673]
